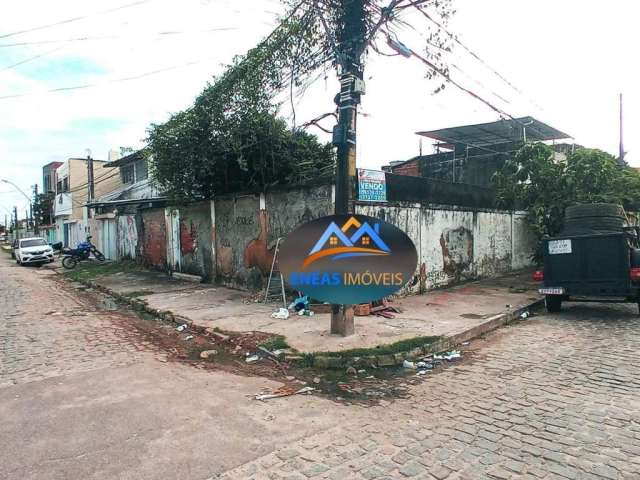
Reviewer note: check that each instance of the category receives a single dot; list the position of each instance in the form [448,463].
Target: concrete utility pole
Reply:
[621,156]
[36,223]
[351,42]
[16,229]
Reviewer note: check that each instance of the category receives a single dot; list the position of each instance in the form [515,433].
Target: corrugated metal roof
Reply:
[494,133]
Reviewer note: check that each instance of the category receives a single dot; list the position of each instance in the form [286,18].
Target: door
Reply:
[172,220]
[108,239]
[65,229]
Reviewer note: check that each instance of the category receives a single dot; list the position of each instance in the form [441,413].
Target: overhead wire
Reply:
[35,57]
[73,19]
[114,37]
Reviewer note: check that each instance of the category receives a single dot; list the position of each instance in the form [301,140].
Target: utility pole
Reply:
[351,43]
[90,185]
[621,155]
[16,230]
[36,226]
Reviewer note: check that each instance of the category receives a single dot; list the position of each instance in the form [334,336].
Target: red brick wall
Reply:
[154,238]
[409,168]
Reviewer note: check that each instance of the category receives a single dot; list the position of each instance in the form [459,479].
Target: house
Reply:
[117,212]
[48,229]
[472,154]
[72,190]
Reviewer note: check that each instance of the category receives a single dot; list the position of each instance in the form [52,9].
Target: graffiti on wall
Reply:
[188,237]
[457,251]
[257,254]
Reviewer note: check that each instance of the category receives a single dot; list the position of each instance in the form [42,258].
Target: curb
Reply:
[442,345]
[336,361]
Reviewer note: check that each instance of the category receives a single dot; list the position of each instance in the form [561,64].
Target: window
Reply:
[366,240]
[333,241]
[59,187]
[128,174]
[141,170]
[65,184]
[36,242]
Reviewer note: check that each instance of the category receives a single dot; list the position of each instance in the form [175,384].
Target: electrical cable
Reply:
[26,60]
[471,52]
[115,37]
[73,19]
[108,82]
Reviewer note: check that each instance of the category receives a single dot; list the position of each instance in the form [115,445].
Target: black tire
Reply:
[69,262]
[594,210]
[553,303]
[99,256]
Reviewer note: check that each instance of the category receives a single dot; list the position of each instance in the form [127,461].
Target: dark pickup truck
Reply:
[591,267]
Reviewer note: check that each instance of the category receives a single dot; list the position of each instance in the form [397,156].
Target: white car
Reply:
[33,250]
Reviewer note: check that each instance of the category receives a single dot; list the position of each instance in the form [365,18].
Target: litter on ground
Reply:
[284,392]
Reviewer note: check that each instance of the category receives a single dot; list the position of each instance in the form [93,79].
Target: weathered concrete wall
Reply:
[455,245]
[237,225]
[247,228]
[195,240]
[153,237]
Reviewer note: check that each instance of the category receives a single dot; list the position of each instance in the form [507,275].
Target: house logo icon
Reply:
[338,242]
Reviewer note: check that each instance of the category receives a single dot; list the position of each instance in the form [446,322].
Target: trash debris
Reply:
[316,380]
[525,314]
[466,343]
[189,337]
[452,355]
[300,304]
[252,359]
[282,313]
[362,371]
[409,365]
[284,392]
[424,365]
[422,372]
[208,353]
[351,371]
[182,327]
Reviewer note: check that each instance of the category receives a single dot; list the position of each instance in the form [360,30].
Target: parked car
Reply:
[33,250]
[14,247]
[3,239]
[595,259]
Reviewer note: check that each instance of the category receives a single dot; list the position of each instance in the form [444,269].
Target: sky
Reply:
[569,61]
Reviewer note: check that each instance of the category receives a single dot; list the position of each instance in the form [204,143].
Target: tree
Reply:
[43,208]
[540,182]
[222,142]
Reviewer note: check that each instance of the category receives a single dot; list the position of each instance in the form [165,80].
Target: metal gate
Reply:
[108,237]
[172,220]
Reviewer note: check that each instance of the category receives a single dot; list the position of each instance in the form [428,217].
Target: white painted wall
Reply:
[455,244]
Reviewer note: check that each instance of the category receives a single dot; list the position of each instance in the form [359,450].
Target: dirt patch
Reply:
[366,387]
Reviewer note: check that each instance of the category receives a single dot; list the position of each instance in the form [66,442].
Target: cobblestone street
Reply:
[554,397]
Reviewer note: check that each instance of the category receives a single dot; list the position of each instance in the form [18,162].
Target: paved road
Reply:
[557,397]
[84,396]
[81,396]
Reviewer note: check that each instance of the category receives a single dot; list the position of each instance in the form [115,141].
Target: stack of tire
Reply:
[593,218]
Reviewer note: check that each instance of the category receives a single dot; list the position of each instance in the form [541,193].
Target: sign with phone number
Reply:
[372,186]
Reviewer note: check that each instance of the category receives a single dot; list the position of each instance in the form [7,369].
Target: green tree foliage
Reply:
[42,208]
[231,139]
[542,184]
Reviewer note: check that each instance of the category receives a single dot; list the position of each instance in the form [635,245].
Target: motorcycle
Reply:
[71,256]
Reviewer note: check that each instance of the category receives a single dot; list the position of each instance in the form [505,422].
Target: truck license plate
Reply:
[551,291]
[557,247]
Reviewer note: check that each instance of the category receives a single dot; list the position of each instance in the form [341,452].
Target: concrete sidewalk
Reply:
[458,312]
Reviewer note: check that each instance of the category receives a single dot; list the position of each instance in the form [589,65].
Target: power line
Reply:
[26,60]
[73,19]
[116,80]
[114,37]
[471,52]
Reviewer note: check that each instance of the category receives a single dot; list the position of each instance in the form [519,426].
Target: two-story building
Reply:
[72,191]
[116,213]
